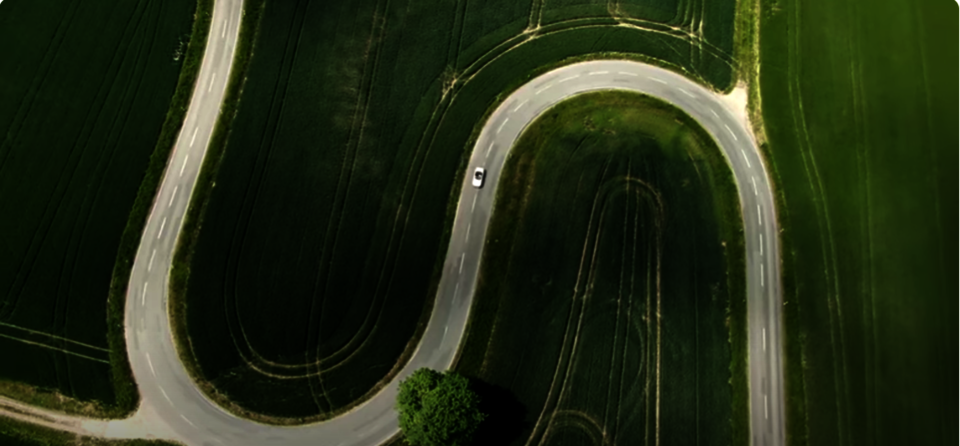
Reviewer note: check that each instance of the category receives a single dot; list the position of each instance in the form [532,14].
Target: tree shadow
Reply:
[506,415]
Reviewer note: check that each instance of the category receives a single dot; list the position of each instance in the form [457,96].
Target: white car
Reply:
[478,175]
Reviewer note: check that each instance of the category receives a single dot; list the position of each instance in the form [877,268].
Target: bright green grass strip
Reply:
[859,110]
[642,165]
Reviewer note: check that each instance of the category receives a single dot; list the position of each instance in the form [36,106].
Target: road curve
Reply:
[172,406]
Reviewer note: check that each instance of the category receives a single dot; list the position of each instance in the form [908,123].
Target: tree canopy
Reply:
[438,409]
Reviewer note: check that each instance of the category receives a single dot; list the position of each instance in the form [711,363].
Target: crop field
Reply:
[84,90]
[615,253]
[859,107]
[317,258]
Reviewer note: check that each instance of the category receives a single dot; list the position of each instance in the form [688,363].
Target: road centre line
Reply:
[210,87]
[761,275]
[505,121]
[686,92]
[761,245]
[143,295]
[766,410]
[474,205]
[660,81]
[150,264]
[188,421]
[193,138]
[627,73]
[455,289]
[150,363]
[184,165]
[759,215]
[543,89]
[597,73]
[488,151]
[746,159]
[173,195]
[715,115]
[569,78]
[164,392]
[467,238]
[162,224]
[461,262]
[764,339]
[223,29]
[731,133]
[754,181]
[521,105]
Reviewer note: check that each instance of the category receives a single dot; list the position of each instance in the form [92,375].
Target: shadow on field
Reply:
[505,414]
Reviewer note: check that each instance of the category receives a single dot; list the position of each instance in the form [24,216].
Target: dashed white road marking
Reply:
[659,81]
[766,410]
[731,133]
[173,195]
[461,263]
[162,224]
[455,289]
[223,29]
[754,181]
[150,363]
[626,73]
[143,295]
[568,79]
[165,396]
[521,105]
[715,115]
[761,245]
[212,79]
[764,339]
[597,73]
[474,205]
[759,215]
[150,263]
[184,165]
[746,159]
[488,151]
[445,330]
[543,89]
[467,238]
[188,421]
[193,138]
[761,275]
[505,121]
[686,92]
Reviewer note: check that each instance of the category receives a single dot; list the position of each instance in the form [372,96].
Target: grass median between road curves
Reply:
[310,269]
[614,208]
[81,115]
[859,111]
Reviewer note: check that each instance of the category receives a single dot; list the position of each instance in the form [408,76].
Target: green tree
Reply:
[438,409]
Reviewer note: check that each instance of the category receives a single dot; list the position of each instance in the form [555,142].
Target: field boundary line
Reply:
[59,338]
[67,352]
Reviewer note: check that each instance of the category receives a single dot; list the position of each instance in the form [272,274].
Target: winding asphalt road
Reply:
[174,408]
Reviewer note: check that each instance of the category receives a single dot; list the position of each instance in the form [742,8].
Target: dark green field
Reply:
[611,276]
[859,106]
[84,92]
[318,253]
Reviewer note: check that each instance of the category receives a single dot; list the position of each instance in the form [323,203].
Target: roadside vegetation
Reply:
[859,108]
[17,433]
[438,409]
[83,98]
[614,208]
[310,268]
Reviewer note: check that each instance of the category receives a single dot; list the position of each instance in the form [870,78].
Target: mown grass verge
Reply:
[514,286]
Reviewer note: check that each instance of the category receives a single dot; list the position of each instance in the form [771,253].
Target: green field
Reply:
[857,100]
[84,95]
[318,250]
[615,253]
